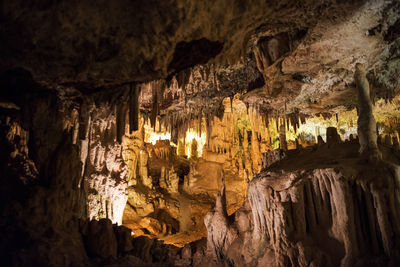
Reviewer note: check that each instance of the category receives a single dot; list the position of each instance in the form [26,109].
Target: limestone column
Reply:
[366,122]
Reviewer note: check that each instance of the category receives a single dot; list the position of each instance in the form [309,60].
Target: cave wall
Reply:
[61,164]
[42,197]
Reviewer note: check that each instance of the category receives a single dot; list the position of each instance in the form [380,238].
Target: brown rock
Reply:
[332,136]
[124,238]
[366,122]
[100,240]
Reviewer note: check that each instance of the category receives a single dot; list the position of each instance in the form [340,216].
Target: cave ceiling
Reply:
[280,56]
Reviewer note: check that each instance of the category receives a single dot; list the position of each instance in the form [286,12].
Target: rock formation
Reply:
[366,122]
[133,133]
[314,215]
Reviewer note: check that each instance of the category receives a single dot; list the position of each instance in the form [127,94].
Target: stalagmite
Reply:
[366,122]
[208,128]
[351,138]
[217,225]
[320,141]
[157,92]
[332,137]
[200,120]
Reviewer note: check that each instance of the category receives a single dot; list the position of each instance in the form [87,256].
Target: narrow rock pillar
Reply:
[366,122]
[282,138]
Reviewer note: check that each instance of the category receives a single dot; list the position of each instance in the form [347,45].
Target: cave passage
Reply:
[194,133]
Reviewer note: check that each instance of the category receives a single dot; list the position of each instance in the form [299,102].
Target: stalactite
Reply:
[294,121]
[287,123]
[83,120]
[200,120]
[133,108]
[154,110]
[121,117]
[209,128]
[175,133]
[220,111]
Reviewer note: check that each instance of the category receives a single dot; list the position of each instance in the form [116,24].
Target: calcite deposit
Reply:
[200,133]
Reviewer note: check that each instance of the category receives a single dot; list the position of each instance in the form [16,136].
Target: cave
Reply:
[200,133]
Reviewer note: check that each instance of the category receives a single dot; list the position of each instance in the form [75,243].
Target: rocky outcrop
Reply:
[331,216]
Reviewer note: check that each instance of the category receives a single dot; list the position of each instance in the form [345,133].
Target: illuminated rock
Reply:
[169,180]
[105,170]
[217,226]
[152,225]
[143,168]
[141,202]
[107,101]
[366,122]
[321,216]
